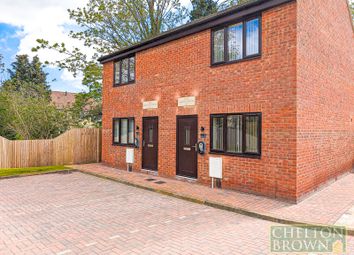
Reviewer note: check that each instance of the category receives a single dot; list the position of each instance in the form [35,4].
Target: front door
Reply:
[150,143]
[186,146]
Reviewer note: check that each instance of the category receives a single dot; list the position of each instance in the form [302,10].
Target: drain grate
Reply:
[160,182]
[150,179]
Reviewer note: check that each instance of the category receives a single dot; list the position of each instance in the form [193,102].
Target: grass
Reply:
[7,172]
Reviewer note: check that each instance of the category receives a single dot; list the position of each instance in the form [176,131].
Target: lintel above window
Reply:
[124,71]
[237,41]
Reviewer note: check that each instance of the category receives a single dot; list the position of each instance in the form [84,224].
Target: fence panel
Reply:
[77,146]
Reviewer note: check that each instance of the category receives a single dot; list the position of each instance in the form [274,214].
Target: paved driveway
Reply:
[80,214]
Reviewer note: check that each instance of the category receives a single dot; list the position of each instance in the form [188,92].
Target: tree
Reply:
[24,117]
[88,106]
[28,77]
[202,8]
[2,70]
[107,26]
[112,24]
[26,111]
[5,118]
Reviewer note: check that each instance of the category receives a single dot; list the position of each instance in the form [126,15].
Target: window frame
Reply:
[243,153]
[120,83]
[244,46]
[120,130]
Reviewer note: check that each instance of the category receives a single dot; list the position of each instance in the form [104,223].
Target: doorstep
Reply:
[151,172]
[325,207]
[185,179]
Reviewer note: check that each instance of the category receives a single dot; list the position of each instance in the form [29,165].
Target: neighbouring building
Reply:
[268,86]
[63,99]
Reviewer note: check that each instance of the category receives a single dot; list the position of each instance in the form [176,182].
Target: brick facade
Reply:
[279,84]
[325,92]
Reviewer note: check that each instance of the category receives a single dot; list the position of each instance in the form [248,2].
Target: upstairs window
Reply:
[123,131]
[124,71]
[236,42]
[238,134]
[219,45]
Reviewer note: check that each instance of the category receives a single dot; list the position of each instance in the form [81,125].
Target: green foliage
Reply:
[25,108]
[202,8]
[2,70]
[5,118]
[28,77]
[87,109]
[31,117]
[93,81]
[109,25]
[74,60]
[112,24]
[106,26]
[31,170]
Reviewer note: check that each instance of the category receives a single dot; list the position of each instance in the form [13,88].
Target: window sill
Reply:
[253,156]
[253,57]
[123,84]
[123,145]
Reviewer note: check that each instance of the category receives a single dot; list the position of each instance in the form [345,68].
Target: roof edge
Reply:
[196,26]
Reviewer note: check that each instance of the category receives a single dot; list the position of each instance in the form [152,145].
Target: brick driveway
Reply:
[326,206]
[80,214]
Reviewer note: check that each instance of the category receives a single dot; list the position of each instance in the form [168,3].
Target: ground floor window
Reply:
[236,133]
[123,131]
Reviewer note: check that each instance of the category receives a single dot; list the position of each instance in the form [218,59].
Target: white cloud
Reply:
[74,81]
[44,19]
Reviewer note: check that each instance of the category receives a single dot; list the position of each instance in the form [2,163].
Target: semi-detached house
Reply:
[268,86]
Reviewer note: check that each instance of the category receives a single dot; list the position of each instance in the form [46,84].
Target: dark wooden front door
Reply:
[150,143]
[187,129]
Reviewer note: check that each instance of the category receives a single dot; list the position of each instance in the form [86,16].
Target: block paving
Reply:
[325,206]
[81,214]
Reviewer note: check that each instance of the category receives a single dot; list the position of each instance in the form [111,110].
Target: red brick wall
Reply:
[182,68]
[325,92]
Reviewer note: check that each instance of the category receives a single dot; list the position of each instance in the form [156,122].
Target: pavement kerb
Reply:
[66,171]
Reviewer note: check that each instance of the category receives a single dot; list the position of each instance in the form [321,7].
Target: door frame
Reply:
[195,116]
[157,149]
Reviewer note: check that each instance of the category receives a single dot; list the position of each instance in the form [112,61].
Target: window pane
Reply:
[252,37]
[218,46]
[131,131]
[124,131]
[252,134]
[187,131]
[235,42]
[117,72]
[125,66]
[218,127]
[116,131]
[132,69]
[151,134]
[234,133]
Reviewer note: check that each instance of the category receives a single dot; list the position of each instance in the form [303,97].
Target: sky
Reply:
[24,21]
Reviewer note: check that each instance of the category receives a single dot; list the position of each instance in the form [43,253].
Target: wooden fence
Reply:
[77,146]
